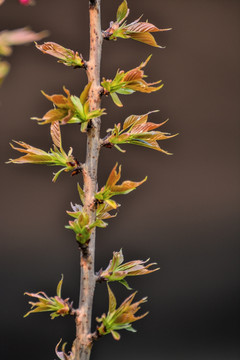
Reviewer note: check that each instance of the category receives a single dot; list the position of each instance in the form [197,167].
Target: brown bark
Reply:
[83,342]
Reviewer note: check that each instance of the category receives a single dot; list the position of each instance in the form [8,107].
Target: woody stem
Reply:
[83,342]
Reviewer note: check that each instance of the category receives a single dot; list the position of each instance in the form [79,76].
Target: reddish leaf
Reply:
[56,134]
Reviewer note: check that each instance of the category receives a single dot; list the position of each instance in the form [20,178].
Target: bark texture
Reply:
[83,342]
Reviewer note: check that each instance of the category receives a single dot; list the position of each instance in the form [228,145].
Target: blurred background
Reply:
[185,217]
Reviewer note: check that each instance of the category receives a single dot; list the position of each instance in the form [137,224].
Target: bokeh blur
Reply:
[185,217]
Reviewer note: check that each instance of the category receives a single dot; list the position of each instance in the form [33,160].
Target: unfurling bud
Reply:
[137,131]
[137,30]
[70,109]
[82,225]
[111,189]
[56,305]
[126,83]
[119,318]
[55,157]
[66,56]
[117,271]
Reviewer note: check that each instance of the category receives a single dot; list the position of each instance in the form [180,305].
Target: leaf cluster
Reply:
[82,226]
[111,188]
[119,318]
[136,30]
[70,109]
[56,305]
[137,130]
[55,157]
[118,271]
[126,83]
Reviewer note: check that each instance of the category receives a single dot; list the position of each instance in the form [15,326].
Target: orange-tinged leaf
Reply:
[145,38]
[143,27]
[130,120]
[114,176]
[33,155]
[57,99]
[62,115]
[56,134]
[145,127]
[134,74]
[127,186]
[138,131]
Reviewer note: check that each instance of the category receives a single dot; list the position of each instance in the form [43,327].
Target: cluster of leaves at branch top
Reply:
[8,39]
[137,30]
[56,305]
[126,83]
[55,157]
[70,109]
[121,317]
[118,271]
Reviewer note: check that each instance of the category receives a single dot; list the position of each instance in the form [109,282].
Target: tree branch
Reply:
[83,342]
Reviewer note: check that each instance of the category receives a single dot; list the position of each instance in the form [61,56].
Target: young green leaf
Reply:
[122,12]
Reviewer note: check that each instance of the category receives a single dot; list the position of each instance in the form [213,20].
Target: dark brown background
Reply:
[185,217]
